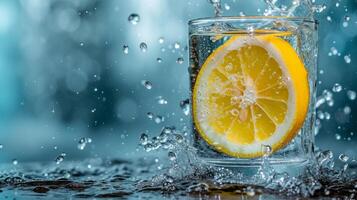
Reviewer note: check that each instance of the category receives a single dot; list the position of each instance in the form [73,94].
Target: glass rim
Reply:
[205,20]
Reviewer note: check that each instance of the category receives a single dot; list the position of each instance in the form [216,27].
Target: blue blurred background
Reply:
[65,74]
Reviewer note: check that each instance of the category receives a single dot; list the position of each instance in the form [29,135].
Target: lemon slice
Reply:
[251,91]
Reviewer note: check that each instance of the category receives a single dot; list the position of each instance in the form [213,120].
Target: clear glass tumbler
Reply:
[253,83]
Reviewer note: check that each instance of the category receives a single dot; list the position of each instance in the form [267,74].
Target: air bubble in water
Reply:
[143,47]
[83,142]
[161,40]
[159,60]
[185,106]
[351,95]
[146,84]
[172,156]
[343,158]
[158,119]
[347,59]
[329,18]
[177,45]
[134,18]
[179,60]
[15,162]
[144,139]
[125,49]
[338,136]
[337,88]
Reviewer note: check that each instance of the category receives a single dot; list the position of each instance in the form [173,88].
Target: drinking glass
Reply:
[209,40]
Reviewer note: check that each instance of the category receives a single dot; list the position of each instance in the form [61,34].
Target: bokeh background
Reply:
[65,74]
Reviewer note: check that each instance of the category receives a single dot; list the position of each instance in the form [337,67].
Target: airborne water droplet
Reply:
[347,59]
[179,60]
[158,119]
[172,156]
[146,84]
[60,158]
[144,139]
[185,106]
[343,158]
[150,115]
[351,95]
[161,100]
[14,162]
[159,60]
[1,146]
[161,40]
[143,47]
[134,18]
[337,88]
[125,49]
[347,110]
[338,136]
[83,142]
[177,45]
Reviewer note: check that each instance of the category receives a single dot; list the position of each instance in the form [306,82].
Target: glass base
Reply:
[293,167]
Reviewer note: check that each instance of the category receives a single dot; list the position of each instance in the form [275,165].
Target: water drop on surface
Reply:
[134,18]
[185,106]
[125,49]
[337,88]
[347,59]
[343,158]
[15,162]
[143,47]
[146,84]
[351,95]
[179,60]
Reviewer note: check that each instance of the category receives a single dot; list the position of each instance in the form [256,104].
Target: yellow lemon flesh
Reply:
[251,91]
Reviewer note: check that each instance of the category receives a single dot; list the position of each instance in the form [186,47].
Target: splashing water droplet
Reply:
[343,158]
[351,95]
[150,115]
[337,88]
[159,60]
[146,84]
[266,150]
[15,162]
[125,49]
[134,18]
[179,60]
[83,142]
[161,100]
[172,156]
[338,136]
[60,158]
[143,47]
[144,139]
[227,7]
[161,40]
[347,110]
[185,106]
[159,119]
[347,59]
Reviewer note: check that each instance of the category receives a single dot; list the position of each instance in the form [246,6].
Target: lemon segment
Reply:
[251,91]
